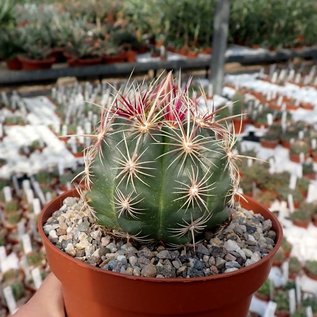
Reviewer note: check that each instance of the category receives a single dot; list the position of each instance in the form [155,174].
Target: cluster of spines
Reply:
[147,113]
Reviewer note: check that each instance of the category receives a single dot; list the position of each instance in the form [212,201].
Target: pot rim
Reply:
[84,265]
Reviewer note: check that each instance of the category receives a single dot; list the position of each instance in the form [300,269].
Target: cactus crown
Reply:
[159,168]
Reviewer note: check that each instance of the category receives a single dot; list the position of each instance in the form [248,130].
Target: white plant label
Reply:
[300,170]
[88,127]
[10,300]
[60,167]
[269,118]
[290,200]
[48,196]
[3,254]
[291,74]
[21,228]
[210,90]
[274,77]
[10,262]
[301,157]
[301,135]
[7,191]
[36,206]
[53,93]
[94,120]
[270,309]
[313,143]
[298,291]
[25,267]
[57,128]
[64,130]
[312,193]
[162,51]
[272,166]
[309,312]
[26,242]
[39,192]
[36,276]
[4,98]
[285,270]
[292,181]
[90,114]
[279,101]
[249,162]
[80,132]
[29,195]
[292,300]
[26,185]
[297,78]
[1,130]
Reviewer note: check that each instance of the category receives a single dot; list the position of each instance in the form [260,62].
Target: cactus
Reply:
[159,169]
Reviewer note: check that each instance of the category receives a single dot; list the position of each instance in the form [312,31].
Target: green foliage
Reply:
[18,290]
[311,266]
[14,120]
[294,265]
[300,215]
[7,16]
[265,289]
[273,23]
[35,258]
[160,170]
[36,41]
[286,245]
[282,300]
[312,302]
[11,207]
[182,23]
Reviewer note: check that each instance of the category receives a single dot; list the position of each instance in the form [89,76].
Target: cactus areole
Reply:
[160,168]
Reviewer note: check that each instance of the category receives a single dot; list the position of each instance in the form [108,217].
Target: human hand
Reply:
[47,301]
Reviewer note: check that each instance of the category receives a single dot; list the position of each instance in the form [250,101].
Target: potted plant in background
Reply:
[298,148]
[311,301]
[36,44]
[282,301]
[239,119]
[264,292]
[294,267]
[158,174]
[301,218]
[310,269]
[308,169]
[272,137]
[11,46]
[83,48]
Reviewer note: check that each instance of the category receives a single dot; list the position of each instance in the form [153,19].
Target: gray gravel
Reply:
[244,241]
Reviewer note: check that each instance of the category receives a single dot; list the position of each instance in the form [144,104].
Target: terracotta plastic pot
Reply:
[262,297]
[32,64]
[269,144]
[239,125]
[90,291]
[282,313]
[112,59]
[78,62]
[59,54]
[301,223]
[14,64]
[310,275]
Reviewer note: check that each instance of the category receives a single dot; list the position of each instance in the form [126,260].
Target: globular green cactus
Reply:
[159,169]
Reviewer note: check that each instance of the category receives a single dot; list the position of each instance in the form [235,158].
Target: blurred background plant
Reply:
[185,25]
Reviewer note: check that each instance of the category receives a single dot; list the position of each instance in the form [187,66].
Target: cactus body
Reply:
[160,170]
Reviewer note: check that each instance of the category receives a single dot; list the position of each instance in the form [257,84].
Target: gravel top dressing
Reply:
[246,239]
